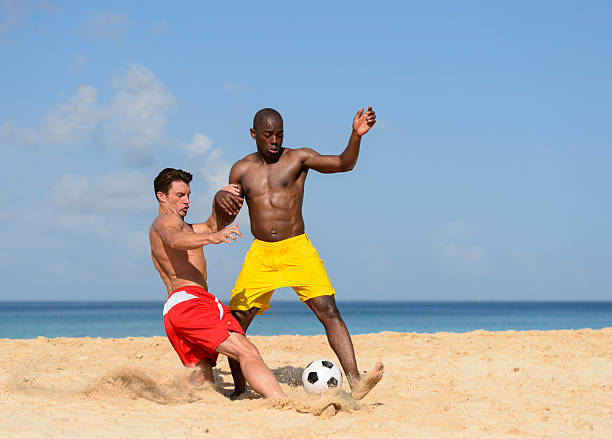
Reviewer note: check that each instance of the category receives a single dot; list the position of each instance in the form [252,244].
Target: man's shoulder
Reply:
[245,162]
[165,220]
[155,226]
[302,150]
[252,159]
[249,158]
[301,153]
[156,221]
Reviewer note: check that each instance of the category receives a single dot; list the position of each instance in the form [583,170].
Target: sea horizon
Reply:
[118,319]
[337,301]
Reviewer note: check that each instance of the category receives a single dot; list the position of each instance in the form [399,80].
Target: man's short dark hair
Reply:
[164,179]
[263,114]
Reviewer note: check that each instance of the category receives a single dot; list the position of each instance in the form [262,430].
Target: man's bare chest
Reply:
[277,179]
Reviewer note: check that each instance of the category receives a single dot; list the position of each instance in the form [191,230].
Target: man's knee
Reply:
[248,350]
[325,308]
[238,347]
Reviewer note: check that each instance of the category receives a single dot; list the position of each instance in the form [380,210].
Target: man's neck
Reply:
[166,210]
[271,161]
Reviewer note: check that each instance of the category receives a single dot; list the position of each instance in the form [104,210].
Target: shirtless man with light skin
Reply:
[177,252]
[272,182]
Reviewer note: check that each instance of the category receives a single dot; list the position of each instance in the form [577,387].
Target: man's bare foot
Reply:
[202,373]
[197,378]
[367,382]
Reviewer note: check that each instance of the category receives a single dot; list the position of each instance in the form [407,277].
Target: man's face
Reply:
[177,198]
[269,138]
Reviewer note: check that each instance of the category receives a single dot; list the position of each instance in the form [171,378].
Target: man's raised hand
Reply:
[226,235]
[229,199]
[233,188]
[363,121]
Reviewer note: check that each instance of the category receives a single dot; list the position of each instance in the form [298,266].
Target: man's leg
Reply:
[244,319]
[338,336]
[258,375]
[203,372]
[340,341]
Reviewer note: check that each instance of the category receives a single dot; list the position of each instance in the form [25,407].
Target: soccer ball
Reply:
[321,376]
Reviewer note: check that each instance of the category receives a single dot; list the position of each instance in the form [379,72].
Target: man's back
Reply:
[177,268]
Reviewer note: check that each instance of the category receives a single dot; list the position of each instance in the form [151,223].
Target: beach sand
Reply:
[532,384]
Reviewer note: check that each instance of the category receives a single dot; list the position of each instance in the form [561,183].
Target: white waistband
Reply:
[176,298]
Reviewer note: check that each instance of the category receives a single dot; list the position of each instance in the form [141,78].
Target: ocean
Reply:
[144,319]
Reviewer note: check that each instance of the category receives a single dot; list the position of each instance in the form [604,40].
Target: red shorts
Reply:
[196,323]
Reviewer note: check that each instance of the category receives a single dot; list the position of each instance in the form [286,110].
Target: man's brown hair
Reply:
[164,179]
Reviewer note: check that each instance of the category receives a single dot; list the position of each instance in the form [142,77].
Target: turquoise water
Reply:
[138,319]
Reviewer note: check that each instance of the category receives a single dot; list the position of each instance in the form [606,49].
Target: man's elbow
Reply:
[336,169]
[346,167]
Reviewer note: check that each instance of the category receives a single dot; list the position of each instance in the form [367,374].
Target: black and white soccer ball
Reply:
[322,376]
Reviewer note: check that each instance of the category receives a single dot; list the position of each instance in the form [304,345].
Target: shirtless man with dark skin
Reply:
[197,324]
[272,182]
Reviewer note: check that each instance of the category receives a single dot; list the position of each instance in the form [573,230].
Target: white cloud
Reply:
[74,120]
[69,123]
[214,170]
[134,121]
[12,135]
[450,248]
[199,145]
[79,200]
[15,11]
[137,115]
[106,26]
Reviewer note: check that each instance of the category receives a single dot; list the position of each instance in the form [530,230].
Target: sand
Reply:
[532,384]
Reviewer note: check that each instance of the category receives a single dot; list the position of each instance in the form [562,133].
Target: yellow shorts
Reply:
[292,262]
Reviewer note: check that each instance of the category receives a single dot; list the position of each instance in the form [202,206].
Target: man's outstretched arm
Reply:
[169,229]
[362,122]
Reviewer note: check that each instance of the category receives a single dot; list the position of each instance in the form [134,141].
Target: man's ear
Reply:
[253,133]
[161,197]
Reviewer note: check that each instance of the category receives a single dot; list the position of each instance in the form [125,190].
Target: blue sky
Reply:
[487,176]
